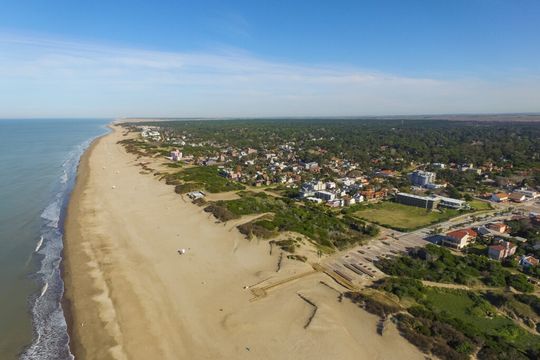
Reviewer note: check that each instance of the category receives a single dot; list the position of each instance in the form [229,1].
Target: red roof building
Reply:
[460,238]
[502,250]
[499,227]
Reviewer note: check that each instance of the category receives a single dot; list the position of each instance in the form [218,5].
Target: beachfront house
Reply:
[176,155]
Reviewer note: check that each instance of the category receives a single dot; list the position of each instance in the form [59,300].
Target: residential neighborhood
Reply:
[367,204]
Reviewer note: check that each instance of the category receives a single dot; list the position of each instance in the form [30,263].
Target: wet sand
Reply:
[130,295]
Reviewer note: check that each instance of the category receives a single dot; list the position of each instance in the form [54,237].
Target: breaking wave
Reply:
[51,338]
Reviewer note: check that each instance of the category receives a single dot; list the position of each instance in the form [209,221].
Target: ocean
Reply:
[38,163]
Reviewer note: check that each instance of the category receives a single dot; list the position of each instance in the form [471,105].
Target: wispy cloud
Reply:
[50,77]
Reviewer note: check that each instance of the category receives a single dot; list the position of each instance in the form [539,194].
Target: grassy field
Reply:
[402,217]
[478,205]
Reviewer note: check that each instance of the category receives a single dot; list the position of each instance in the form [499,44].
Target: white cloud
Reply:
[48,77]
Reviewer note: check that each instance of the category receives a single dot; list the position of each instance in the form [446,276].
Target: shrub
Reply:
[220,212]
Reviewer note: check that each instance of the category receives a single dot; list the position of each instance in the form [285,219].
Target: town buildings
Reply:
[422,178]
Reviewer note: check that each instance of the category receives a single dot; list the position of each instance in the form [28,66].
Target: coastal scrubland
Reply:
[323,226]
[456,323]
[457,306]
[434,263]
[201,178]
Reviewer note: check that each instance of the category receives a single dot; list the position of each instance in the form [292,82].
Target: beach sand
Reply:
[130,295]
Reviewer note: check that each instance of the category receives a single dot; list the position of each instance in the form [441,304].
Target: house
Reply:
[499,197]
[502,250]
[484,232]
[330,185]
[176,155]
[460,238]
[528,261]
[528,193]
[517,197]
[498,226]
[358,198]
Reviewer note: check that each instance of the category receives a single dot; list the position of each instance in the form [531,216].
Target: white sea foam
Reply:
[52,213]
[64,177]
[44,289]
[51,339]
[40,242]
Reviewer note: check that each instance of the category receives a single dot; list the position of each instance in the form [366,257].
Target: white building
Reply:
[452,203]
[325,195]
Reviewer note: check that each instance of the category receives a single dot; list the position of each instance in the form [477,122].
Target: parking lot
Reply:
[356,265]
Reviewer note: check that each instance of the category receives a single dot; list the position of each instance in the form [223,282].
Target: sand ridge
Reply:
[132,296]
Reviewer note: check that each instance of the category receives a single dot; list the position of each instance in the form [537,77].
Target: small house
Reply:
[498,226]
[528,261]
[517,197]
[460,238]
[499,197]
[502,250]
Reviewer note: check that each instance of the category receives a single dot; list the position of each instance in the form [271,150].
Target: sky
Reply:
[268,58]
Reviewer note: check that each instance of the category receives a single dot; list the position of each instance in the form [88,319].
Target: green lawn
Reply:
[478,205]
[402,217]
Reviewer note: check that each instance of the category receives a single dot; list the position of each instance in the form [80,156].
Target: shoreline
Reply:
[81,179]
[129,295]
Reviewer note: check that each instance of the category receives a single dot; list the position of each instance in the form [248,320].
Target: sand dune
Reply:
[131,296]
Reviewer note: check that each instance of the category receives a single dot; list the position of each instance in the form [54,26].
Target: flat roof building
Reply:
[452,203]
[426,202]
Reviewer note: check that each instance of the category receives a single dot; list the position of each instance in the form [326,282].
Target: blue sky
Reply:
[268,58]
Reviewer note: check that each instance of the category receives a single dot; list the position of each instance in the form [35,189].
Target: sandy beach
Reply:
[130,295]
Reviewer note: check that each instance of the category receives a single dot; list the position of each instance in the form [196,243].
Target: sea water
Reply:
[38,163]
